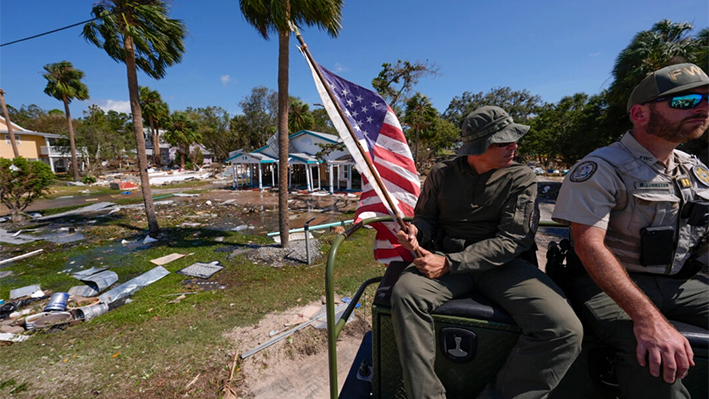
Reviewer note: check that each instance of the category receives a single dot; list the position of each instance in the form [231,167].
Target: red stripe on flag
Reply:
[398,180]
[394,157]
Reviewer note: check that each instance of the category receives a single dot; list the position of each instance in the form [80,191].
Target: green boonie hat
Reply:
[488,125]
[668,80]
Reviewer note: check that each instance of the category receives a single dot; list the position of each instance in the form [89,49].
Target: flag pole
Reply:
[367,160]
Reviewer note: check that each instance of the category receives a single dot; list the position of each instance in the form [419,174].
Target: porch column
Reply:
[233,176]
[260,182]
[329,172]
[349,177]
[319,177]
[273,175]
[308,174]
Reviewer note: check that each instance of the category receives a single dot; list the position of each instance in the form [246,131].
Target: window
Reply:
[17,139]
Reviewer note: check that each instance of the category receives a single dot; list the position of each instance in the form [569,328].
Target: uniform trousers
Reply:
[551,332]
[678,299]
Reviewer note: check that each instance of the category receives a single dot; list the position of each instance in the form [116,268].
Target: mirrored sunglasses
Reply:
[685,101]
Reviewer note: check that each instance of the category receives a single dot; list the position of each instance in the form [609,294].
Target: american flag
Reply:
[379,133]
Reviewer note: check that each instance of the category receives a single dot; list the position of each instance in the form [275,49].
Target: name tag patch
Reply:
[653,185]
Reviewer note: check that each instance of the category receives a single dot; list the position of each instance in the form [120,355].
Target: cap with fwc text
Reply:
[668,80]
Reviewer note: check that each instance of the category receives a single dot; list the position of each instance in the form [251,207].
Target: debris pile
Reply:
[31,309]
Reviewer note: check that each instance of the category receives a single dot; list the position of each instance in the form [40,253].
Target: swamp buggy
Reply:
[474,337]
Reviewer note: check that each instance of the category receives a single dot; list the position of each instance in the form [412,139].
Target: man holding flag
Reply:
[474,227]
[373,136]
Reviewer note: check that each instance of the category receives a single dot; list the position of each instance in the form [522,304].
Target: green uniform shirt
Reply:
[477,221]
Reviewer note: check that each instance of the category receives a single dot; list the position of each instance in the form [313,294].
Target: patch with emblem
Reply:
[583,171]
[701,173]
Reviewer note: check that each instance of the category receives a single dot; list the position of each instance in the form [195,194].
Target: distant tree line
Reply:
[562,132]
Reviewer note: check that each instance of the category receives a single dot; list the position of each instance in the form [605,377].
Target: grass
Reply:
[149,347]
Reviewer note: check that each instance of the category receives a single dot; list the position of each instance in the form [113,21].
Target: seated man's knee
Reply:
[570,330]
[403,290]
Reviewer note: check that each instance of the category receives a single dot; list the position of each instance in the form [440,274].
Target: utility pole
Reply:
[9,124]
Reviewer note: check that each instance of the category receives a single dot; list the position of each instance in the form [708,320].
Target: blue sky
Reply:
[551,48]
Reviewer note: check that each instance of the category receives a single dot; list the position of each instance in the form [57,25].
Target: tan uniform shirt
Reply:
[623,188]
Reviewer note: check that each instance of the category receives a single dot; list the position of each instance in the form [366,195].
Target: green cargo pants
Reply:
[551,332]
[682,300]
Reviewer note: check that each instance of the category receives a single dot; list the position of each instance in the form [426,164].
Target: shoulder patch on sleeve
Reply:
[583,171]
[701,173]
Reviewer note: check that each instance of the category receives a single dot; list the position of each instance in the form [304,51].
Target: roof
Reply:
[303,146]
[331,138]
[240,156]
[17,129]
[304,158]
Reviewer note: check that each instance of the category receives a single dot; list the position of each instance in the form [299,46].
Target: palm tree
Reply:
[155,111]
[420,116]
[269,16]
[182,132]
[299,116]
[139,34]
[665,44]
[64,83]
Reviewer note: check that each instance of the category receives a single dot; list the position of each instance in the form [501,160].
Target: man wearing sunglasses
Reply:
[474,226]
[639,211]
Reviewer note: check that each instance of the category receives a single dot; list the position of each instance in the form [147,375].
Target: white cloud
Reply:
[340,68]
[225,79]
[594,54]
[112,105]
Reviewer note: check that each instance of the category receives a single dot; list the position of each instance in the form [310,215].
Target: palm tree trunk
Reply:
[72,144]
[283,41]
[133,91]
[9,125]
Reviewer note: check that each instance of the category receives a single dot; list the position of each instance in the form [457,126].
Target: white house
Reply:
[305,166]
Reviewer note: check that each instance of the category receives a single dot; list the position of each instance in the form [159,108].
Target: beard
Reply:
[676,132]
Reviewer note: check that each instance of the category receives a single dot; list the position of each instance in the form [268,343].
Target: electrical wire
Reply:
[57,30]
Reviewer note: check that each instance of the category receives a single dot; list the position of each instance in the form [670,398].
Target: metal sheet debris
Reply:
[129,287]
[201,270]
[87,272]
[29,290]
[91,208]
[166,259]
[95,283]
[14,238]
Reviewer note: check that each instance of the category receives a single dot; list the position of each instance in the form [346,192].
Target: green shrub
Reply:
[22,182]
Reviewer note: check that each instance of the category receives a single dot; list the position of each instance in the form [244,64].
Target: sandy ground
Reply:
[296,366]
